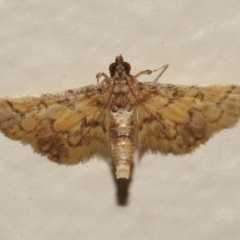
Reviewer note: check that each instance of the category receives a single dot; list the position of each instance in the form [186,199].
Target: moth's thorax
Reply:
[121,94]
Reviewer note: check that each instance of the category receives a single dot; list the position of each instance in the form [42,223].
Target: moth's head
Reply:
[119,68]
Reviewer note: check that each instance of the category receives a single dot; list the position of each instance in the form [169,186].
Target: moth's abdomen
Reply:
[122,141]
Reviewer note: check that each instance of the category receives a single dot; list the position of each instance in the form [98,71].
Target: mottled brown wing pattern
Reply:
[67,127]
[113,118]
[177,119]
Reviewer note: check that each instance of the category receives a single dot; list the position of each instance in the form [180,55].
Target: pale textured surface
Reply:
[63,44]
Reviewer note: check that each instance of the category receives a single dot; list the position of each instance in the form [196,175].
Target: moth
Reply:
[119,115]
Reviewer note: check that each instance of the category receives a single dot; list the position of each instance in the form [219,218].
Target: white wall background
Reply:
[49,46]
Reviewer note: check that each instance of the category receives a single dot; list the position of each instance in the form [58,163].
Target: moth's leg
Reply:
[148,72]
[101,74]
